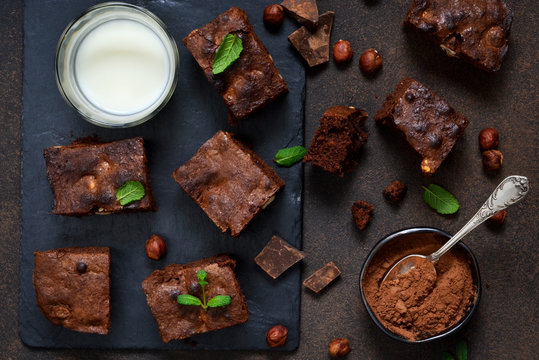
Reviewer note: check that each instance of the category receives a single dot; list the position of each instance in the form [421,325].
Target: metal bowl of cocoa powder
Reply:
[406,309]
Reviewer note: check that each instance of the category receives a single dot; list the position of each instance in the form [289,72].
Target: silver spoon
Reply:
[511,190]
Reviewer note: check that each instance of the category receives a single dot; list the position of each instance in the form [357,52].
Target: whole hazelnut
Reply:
[370,61]
[339,347]
[492,160]
[273,16]
[156,247]
[498,218]
[488,139]
[342,52]
[276,335]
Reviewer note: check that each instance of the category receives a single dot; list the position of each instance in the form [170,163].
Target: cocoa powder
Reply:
[418,305]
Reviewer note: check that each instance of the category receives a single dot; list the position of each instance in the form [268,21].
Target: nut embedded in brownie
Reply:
[428,123]
[474,30]
[229,181]
[338,139]
[73,287]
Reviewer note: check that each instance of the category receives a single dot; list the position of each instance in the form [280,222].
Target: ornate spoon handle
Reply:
[511,190]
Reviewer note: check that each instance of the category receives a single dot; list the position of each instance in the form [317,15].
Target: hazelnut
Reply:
[273,16]
[81,267]
[492,160]
[342,52]
[370,61]
[498,218]
[156,247]
[488,139]
[276,336]
[339,347]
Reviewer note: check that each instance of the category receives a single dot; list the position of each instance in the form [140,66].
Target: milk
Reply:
[122,67]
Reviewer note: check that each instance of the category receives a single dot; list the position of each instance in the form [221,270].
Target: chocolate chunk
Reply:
[277,257]
[314,46]
[304,11]
[395,191]
[362,213]
[322,277]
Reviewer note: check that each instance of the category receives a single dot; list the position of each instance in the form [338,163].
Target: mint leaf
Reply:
[187,299]
[219,300]
[201,275]
[129,192]
[462,350]
[440,199]
[447,356]
[228,52]
[290,156]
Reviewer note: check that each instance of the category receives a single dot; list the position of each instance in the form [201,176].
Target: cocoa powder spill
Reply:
[418,305]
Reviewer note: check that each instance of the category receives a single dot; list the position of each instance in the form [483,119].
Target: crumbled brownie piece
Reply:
[474,30]
[277,257]
[252,81]
[336,143]
[313,46]
[362,213]
[176,321]
[428,123]
[73,287]
[304,11]
[395,191]
[229,181]
[84,176]
[322,277]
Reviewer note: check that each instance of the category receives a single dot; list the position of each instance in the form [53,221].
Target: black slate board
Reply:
[193,115]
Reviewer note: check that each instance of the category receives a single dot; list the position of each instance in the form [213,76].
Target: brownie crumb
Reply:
[362,213]
[395,191]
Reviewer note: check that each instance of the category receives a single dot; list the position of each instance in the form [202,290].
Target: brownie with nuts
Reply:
[362,213]
[473,30]
[427,122]
[229,181]
[73,287]
[84,176]
[337,141]
[252,81]
[176,321]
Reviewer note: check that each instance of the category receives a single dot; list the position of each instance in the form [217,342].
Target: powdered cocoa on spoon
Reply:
[418,305]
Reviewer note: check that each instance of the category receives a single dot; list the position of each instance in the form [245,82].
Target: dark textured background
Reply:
[506,324]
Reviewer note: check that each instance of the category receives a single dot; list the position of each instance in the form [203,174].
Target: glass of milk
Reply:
[117,65]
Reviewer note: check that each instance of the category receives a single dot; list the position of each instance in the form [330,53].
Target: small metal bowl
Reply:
[66,55]
[399,235]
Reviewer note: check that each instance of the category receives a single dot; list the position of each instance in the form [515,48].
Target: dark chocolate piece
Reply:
[176,321]
[77,300]
[252,81]
[84,176]
[277,257]
[473,30]
[338,139]
[362,213]
[322,277]
[428,123]
[395,191]
[229,181]
[304,11]
[314,46]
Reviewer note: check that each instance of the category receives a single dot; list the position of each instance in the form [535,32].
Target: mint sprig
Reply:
[216,301]
[462,352]
[228,52]
[130,191]
[290,156]
[440,199]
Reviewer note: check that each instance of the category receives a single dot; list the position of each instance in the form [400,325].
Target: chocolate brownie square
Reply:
[177,321]
[73,287]
[338,139]
[473,30]
[229,181]
[84,176]
[428,123]
[252,81]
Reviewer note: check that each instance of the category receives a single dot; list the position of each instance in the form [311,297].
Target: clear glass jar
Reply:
[94,28]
